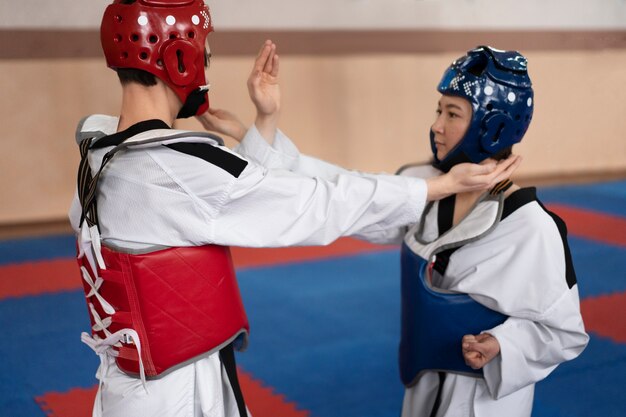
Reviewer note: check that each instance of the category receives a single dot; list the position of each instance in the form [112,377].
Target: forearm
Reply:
[267,125]
[284,155]
[312,211]
[439,187]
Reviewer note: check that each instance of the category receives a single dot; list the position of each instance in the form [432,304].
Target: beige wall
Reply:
[368,112]
[347,14]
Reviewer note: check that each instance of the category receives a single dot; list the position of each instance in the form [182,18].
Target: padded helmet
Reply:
[165,38]
[497,85]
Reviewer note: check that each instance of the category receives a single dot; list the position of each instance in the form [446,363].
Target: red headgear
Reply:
[165,38]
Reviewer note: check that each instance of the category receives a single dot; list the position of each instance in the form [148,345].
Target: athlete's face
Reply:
[454,115]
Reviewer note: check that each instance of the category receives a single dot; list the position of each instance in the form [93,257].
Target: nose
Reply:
[437,126]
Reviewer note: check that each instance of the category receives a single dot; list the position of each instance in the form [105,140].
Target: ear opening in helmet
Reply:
[181,63]
[496,136]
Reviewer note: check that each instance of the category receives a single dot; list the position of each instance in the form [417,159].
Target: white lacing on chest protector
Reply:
[104,347]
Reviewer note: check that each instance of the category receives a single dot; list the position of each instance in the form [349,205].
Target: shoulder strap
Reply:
[87,183]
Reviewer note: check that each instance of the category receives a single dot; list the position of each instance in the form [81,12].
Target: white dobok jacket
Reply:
[521,269]
[156,196]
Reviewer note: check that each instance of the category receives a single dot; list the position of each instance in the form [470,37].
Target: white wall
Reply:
[347,14]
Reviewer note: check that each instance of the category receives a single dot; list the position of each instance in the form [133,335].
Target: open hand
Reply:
[472,177]
[223,122]
[263,81]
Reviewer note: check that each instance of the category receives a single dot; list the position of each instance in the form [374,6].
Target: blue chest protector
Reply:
[433,320]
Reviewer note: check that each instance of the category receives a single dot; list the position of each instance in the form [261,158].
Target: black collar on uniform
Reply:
[119,137]
[518,199]
[445,214]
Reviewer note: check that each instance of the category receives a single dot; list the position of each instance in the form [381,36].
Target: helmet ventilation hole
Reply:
[118,38]
[118,18]
[191,35]
[124,55]
[134,37]
[173,35]
[476,65]
[517,117]
[143,55]
[489,106]
[153,39]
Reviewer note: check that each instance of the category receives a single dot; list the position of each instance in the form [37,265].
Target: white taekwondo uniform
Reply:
[158,196]
[522,268]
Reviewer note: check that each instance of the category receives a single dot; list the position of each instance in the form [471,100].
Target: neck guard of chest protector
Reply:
[165,38]
[181,302]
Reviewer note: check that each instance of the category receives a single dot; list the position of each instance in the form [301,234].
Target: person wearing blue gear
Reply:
[490,302]
[499,261]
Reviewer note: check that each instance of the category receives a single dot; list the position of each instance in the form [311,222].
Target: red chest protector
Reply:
[182,302]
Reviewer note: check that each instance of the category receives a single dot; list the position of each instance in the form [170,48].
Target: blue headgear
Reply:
[497,85]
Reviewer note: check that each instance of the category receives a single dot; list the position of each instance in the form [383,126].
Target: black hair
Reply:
[133,75]
[502,154]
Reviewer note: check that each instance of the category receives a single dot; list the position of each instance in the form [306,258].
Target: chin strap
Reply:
[448,163]
[194,100]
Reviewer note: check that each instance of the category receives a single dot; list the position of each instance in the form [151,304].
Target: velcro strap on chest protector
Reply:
[182,302]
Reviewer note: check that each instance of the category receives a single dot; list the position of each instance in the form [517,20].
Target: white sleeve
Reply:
[75,212]
[279,208]
[261,207]
[520,270]
[284,155]
[531,350]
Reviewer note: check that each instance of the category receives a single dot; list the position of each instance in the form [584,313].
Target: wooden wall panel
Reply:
[366,111]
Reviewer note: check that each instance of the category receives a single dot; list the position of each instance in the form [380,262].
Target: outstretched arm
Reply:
[264,90]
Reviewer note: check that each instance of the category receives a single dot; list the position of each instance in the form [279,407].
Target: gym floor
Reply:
[324,323]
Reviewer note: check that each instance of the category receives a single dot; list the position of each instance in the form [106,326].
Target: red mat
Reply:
[261,401]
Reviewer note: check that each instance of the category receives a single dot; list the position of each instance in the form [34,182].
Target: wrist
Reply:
[267,124]
[239,132]
[438,188]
